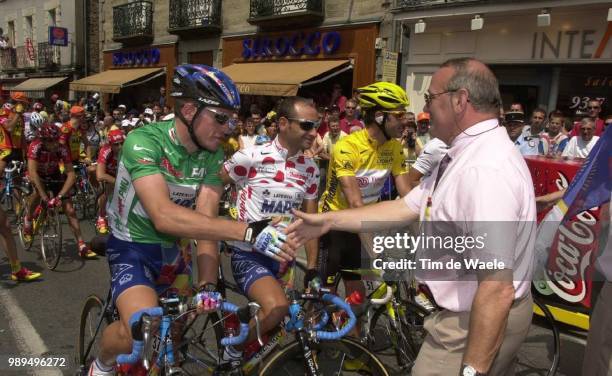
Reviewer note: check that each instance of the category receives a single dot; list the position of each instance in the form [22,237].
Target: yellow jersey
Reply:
[358,155]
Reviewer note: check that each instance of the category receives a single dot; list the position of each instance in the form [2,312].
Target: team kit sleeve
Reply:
[65,154]
[103,154]
[214,167]
[239,165]
[34,149]
[141,156]
[312,185]
[344,160]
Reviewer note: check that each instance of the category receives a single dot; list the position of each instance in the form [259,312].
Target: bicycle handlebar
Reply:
[332,336]
[136,320]
[14,166]
[385,299]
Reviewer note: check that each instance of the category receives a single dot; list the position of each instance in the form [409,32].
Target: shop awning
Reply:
[38,84]
[111,81]
[281,78]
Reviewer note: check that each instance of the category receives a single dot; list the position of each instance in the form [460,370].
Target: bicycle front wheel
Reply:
[539,353]
[93,322]
[343,357]
[51,239]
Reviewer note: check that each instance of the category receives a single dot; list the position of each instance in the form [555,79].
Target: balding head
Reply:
[462,93]
[481,84]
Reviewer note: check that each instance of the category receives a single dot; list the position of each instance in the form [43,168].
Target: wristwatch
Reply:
[468,370]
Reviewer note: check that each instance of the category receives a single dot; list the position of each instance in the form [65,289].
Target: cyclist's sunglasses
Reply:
[220,117]
[306,124]
[397,114]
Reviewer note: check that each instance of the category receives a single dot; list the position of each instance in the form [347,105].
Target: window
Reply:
[29,27]
[11,33]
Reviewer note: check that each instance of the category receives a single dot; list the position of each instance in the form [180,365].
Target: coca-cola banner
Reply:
[568,241]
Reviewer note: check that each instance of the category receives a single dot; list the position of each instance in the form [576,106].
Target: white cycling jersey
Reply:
[270,183]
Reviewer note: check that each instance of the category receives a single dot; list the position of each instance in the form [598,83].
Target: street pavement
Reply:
[41,318]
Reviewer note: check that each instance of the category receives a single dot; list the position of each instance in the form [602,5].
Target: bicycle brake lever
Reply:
[254,309]
[146,337]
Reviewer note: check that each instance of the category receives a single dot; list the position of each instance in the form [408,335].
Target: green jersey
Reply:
[155,149]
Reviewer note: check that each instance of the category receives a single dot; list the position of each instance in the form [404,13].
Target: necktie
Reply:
[443,164]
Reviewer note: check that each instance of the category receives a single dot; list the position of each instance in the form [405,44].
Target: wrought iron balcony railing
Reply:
[284,12]
[49,57]
[133,22]
[26,58]
[8,59]
[187,16]
[413,4]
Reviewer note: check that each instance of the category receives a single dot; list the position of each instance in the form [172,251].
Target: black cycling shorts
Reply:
[339,250]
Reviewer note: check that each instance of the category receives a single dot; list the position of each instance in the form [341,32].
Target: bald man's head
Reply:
[480,83]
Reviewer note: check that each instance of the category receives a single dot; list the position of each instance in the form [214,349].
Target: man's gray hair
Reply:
[588,120]
[480,83]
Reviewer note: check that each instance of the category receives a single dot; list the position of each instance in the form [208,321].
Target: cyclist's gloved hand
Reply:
[268,239]
[312,275]
[208,299]
[54,202]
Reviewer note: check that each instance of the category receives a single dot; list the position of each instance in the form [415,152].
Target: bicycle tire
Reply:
[195,348]
[85,355]
[51,239]
[405,341]
[532,362]
[288,360]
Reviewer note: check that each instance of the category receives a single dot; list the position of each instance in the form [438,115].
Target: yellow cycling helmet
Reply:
[383,95]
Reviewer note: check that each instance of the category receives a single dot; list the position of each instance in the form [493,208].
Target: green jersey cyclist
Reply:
[164,169]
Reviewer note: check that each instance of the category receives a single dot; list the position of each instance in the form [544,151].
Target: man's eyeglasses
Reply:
[220,117]
[593,107]
[306,124]
[430,97]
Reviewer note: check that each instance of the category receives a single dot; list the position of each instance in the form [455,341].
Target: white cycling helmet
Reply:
[36,120]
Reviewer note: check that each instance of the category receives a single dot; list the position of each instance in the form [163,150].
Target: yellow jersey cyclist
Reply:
[359,165]
[164,170]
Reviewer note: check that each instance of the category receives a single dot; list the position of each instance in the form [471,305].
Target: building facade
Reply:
[553,54]
[27,50]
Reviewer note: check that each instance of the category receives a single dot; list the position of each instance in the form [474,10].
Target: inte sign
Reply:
[569,44]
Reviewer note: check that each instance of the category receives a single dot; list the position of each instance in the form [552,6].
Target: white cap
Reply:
[125,123]
[122,106]
[148,111]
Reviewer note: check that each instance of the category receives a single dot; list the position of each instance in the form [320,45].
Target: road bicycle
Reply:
[48,224]
[85,198]
[154,351]
[11,192]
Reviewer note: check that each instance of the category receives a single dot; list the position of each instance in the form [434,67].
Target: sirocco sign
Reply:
[295,45]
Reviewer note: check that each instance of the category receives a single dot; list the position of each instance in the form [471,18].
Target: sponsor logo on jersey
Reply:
[140,148]
[281,206]
[198,172]
[166,165]
[362,181]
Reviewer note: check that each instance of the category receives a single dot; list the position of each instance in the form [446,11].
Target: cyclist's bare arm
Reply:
[402,183]
[208,251]
[414,177]
[312,246]
[70,179]
[101,174]
[35,179]
[369,218]
[172,219]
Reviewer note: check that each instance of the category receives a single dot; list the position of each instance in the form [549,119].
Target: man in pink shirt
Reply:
[483,182]
[593,110]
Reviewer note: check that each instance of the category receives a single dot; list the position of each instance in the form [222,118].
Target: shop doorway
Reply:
[524,94]
[201,57]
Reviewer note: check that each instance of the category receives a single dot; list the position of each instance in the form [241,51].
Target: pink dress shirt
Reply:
[487,181]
